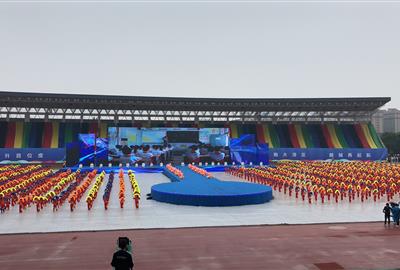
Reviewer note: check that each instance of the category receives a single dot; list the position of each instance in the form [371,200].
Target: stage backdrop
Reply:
[245,149]
[87,150]
[180,139]
[136,136]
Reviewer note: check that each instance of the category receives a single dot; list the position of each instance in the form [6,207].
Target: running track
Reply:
[327,246]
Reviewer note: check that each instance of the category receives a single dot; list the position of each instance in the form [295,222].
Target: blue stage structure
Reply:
[246,150]
[198,190]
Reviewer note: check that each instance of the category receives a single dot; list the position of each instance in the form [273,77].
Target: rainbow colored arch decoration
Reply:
[19,134]
[313,135]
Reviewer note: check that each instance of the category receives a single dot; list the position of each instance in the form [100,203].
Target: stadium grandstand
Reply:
[41,120]
[98,163]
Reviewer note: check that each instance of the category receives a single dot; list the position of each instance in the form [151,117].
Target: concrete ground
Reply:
[151,214]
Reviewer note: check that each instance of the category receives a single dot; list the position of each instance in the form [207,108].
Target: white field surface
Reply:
[152,214]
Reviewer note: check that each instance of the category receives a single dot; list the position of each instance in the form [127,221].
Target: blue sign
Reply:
[327,153]
[31,155]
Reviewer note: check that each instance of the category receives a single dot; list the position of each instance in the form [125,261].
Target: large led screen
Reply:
[155,145]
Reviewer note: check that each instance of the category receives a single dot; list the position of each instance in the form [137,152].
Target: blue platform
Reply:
[198,190]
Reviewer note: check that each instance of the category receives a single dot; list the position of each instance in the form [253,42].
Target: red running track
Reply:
[328,246]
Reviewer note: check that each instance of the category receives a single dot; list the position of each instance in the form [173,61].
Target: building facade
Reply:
[377,121]
[386,120]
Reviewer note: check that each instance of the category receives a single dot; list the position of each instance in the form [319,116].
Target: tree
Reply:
[392,142]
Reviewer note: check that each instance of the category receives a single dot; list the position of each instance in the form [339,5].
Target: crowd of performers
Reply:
[200,171]
[121,193]
[107,190]
[192,167]
[80,190]
[175,171]
[92,195]
[314,180]
[135,188]
[19,181]
[36,185]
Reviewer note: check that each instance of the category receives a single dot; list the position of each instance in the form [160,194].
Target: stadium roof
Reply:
[73,107]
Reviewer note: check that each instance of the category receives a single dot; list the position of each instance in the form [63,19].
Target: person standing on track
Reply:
[386,211]
[122,259]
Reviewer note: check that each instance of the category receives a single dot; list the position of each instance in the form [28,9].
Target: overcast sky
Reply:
[202,49]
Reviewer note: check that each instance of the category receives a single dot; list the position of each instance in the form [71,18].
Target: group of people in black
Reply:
[392,210]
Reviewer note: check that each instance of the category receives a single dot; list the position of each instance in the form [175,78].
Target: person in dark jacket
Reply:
[386,211]
[122,259]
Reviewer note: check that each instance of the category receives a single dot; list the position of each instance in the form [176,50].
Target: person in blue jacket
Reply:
[395,213]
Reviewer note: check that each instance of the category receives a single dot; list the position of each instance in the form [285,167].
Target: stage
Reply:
[198,190]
